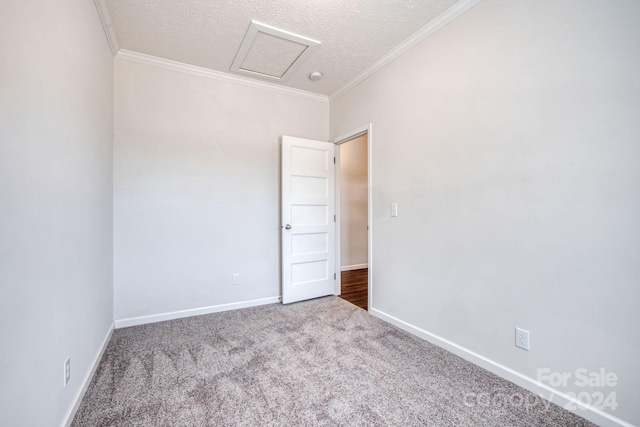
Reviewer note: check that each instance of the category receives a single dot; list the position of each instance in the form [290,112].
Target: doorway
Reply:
[353,191]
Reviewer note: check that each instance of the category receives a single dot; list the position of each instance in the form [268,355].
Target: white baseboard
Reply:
[153,318]
[354,267]
[71,412]
[590,413]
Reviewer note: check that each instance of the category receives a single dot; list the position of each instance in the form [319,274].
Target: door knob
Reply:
[287,227]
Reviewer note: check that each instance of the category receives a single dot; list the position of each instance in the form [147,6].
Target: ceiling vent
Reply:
[271,53]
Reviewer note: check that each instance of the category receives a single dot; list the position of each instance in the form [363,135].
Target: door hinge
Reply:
[334,276]
[334,160]
[334,218]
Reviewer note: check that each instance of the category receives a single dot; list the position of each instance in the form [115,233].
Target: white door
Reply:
[308,219]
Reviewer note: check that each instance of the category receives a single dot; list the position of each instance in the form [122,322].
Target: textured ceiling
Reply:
[271,55]
[208,33]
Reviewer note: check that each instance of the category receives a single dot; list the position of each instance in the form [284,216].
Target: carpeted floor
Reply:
[321,362]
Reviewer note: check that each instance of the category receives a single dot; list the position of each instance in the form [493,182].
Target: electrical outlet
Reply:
[522,338]
[235,279]
[67,371]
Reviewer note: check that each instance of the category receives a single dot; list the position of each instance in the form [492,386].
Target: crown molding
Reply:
[154,61]
[107,25]
[449,15]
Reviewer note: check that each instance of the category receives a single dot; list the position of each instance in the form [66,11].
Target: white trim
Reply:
[257,27]
[107,25]
[354,267]
[153,318]
[449,15]
[338,221]
[352,135]
[370,213]
[154,61]
[590,413]
[71,412]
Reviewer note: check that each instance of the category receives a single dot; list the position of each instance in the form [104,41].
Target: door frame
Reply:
[362,130]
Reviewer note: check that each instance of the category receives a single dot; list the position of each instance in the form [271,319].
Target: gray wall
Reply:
[511,141]
[56,86]
[197,188]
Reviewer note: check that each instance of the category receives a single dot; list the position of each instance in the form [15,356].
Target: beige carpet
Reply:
[321,362]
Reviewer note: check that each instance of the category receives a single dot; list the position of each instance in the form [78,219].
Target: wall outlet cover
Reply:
[67,371]
[522,339]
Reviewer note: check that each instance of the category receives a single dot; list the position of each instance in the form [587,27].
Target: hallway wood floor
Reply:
[355,287]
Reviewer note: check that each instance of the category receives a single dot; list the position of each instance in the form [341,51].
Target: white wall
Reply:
[196,188]
[511,141]
[56,79]
[353,202]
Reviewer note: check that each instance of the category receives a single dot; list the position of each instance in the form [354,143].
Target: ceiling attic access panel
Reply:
[271,53]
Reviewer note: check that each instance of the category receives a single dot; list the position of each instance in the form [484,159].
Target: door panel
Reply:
[308,219]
